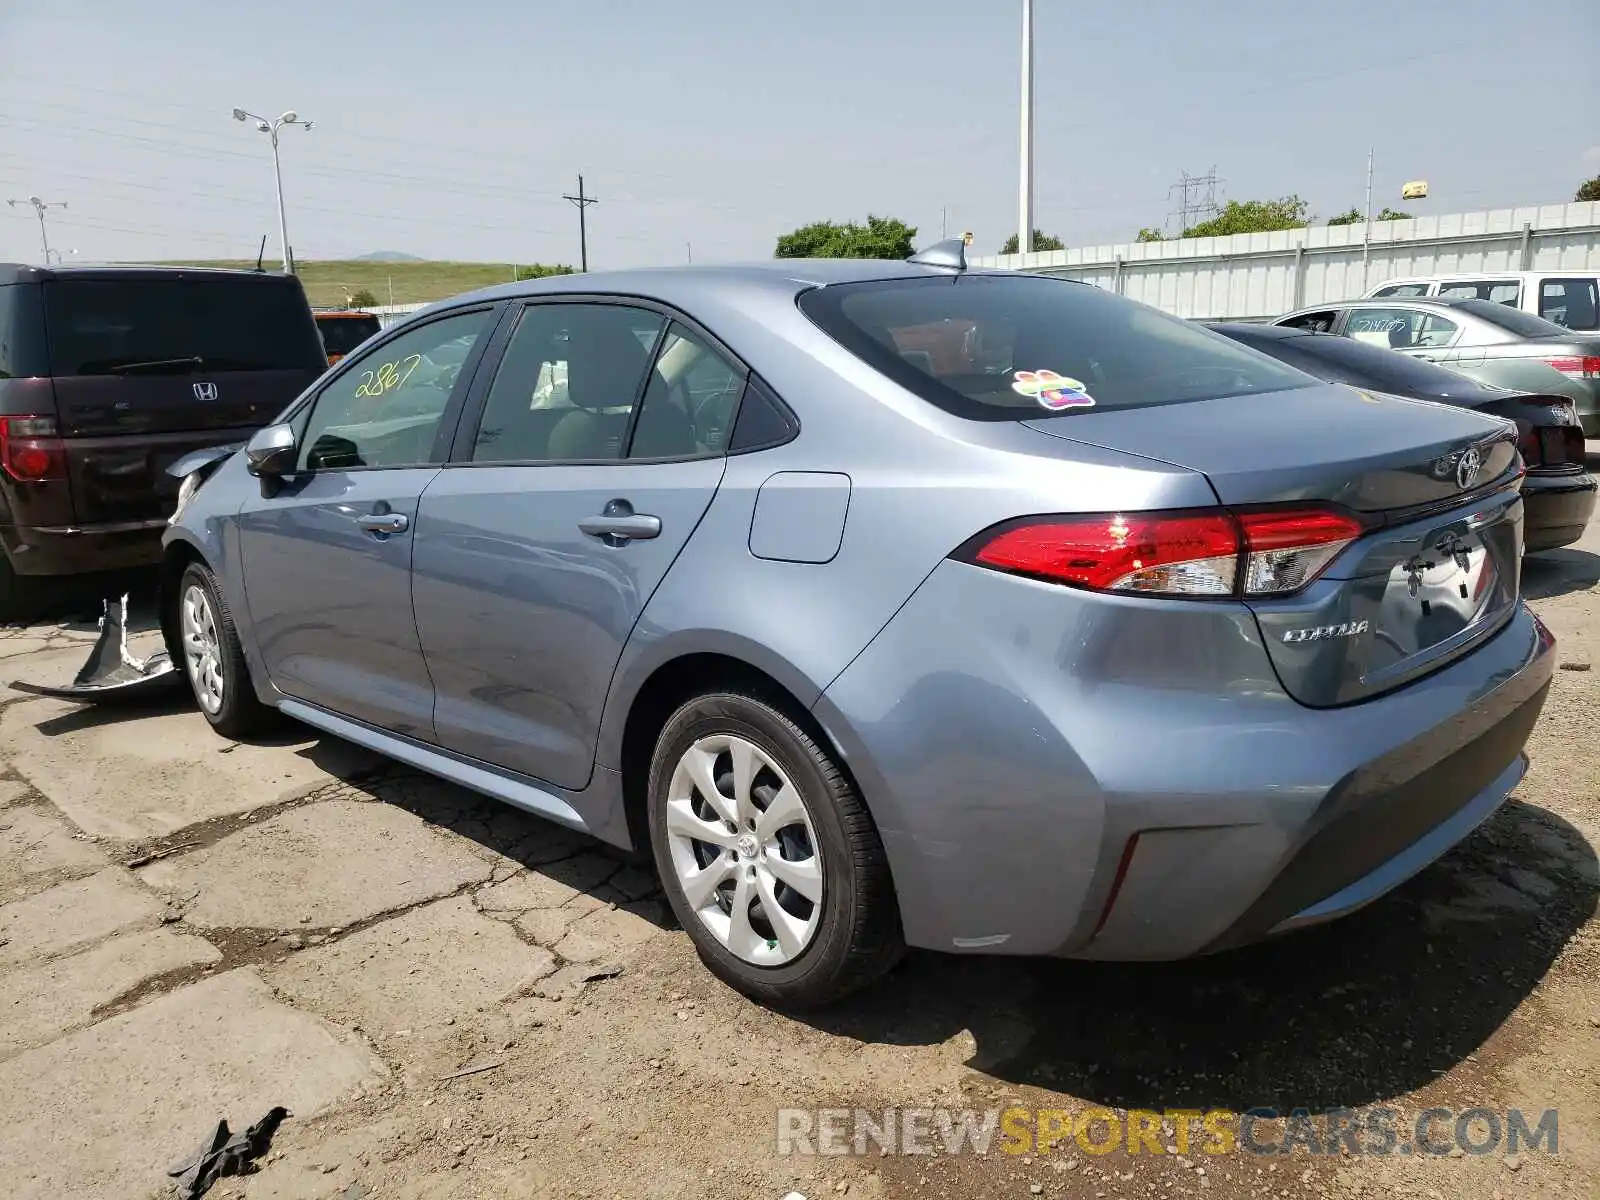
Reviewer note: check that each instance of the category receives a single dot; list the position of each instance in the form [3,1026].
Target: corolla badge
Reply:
[205,391]
[1323,633]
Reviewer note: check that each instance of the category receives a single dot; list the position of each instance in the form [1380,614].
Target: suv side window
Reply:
[1497,291]
[1571,302]
[567,384]
[384,410]
[689,402]
[1402,289]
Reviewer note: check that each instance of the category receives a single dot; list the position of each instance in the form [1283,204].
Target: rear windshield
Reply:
[156,326]
[1018,347]
[343,334]
[1512,320]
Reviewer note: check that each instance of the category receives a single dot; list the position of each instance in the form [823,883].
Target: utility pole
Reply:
[944,231]
[689,246]
[1025,183]
[1366,230]
[39,206]
[582,203]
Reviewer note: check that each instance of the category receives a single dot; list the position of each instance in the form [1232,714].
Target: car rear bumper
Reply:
[1556,508]
[82,549]
[1057,772]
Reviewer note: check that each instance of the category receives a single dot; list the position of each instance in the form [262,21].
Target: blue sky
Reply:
[450,130]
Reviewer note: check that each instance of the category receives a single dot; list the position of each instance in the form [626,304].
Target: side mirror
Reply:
[271,452]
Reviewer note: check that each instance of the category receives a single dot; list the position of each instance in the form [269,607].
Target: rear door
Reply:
[327,552]
[150,367]
[598,449]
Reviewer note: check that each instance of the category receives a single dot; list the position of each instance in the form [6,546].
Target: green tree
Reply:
[880,237]
[363,298]
[1354,217]
[1149,235]
[1590,190]
[1041,241]
[542,270]
[1253,216]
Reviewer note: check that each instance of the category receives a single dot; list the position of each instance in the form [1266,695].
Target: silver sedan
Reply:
[1489,341]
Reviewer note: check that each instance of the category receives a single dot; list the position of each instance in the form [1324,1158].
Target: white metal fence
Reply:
[1263,274]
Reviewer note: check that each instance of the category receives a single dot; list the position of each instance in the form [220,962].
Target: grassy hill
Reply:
[329,283]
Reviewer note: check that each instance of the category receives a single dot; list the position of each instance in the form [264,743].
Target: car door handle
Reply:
[619,523]
[383,522]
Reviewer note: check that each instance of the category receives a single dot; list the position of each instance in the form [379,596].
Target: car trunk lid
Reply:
[1438,569]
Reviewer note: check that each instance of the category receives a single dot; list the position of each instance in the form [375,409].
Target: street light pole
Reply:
[1025,188]
[271,128]
[1366,232]
[39,206]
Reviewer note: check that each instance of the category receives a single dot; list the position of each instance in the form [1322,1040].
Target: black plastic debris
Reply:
[111,671]
[225,1153]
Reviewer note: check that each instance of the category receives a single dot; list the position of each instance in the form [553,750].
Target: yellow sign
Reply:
[1417,189]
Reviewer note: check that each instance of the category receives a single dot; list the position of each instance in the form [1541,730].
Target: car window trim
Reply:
[453,406]
[466,437]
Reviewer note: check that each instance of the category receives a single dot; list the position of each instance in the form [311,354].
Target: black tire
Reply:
[240,713]
[21,597]
[858,936]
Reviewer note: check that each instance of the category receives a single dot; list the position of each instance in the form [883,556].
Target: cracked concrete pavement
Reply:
[455,998]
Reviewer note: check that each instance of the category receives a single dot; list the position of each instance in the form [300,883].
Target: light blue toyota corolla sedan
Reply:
[888,603]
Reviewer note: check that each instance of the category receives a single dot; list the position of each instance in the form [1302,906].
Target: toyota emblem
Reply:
[205,391]
[1468,467]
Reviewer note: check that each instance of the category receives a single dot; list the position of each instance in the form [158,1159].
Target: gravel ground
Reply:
[456,999]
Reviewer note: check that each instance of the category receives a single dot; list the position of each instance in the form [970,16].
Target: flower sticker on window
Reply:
[1052,391]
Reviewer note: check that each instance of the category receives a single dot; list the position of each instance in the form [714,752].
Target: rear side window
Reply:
[1572,303]
[156,326]
[1402,289]
[1017,347]
[22,349]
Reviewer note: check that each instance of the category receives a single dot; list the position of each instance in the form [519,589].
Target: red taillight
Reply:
[1576,367]
[1214,553]
[30,451]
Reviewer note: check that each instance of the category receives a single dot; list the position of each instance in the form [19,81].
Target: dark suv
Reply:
[109,374]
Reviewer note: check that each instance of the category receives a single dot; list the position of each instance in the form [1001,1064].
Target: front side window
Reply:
[567,384]
[1571,303]
[1017,347]
[384,409]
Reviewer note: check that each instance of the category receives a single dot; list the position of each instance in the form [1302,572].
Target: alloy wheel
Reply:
[744,850]
[202,648]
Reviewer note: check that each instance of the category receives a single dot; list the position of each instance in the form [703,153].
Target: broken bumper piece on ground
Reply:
[111,672]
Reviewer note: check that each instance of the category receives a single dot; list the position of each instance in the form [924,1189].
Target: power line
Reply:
[582,203]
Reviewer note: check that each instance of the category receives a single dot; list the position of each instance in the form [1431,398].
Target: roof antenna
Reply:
[951,253]
[262,253]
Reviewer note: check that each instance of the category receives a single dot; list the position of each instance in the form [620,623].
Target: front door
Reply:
[599,448]
[327,557]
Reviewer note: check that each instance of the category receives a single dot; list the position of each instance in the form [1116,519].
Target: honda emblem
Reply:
[205,391]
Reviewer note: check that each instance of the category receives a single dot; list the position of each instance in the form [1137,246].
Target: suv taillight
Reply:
[1575,367]
[1213,553]
[30,451]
